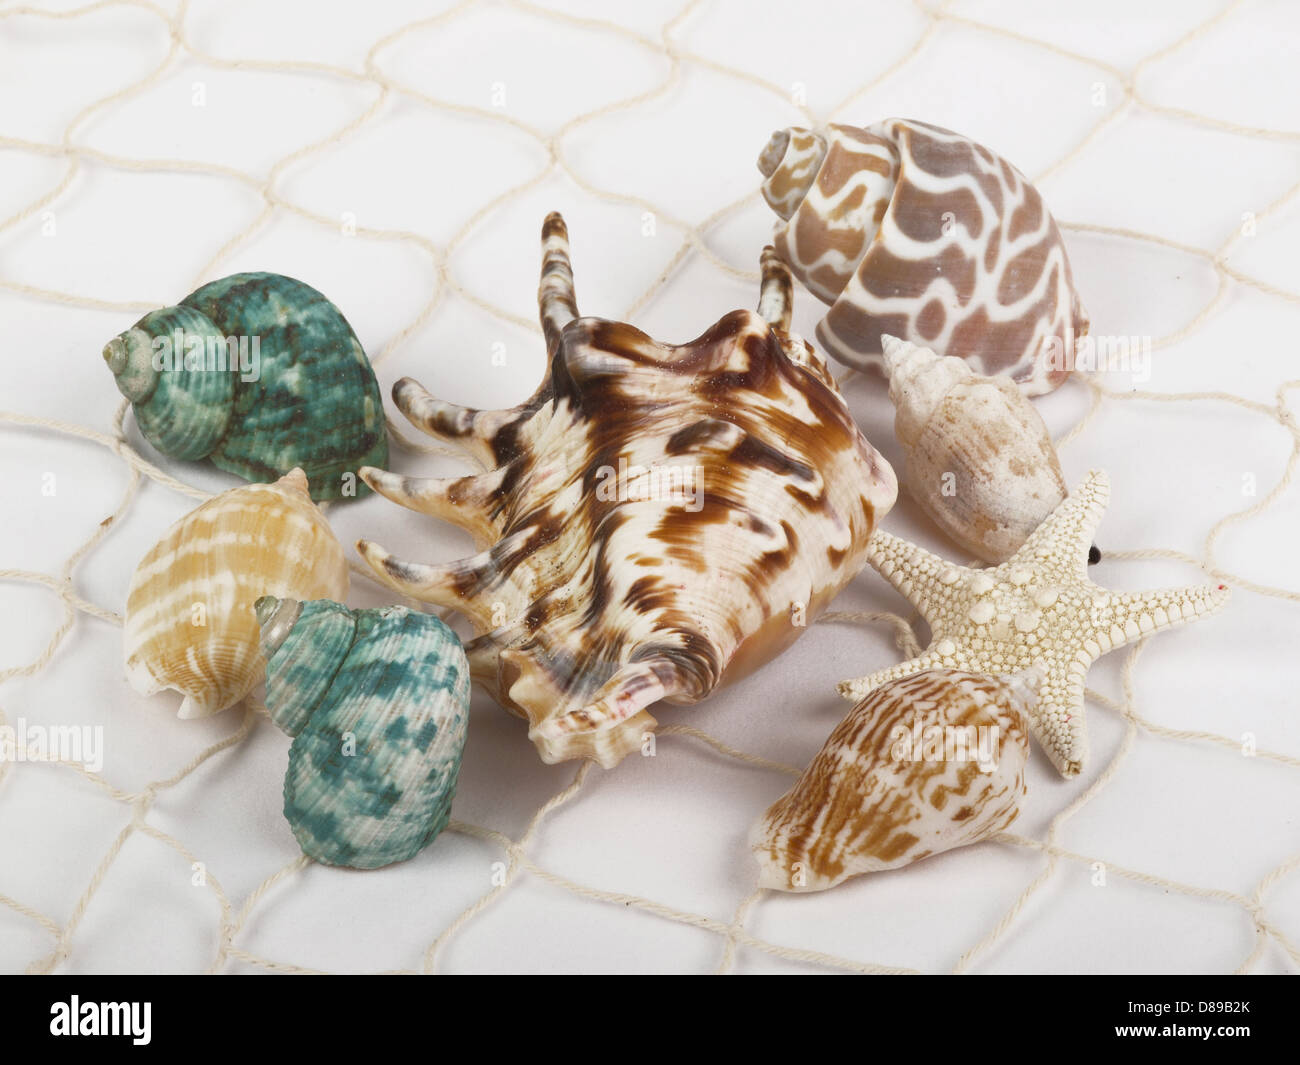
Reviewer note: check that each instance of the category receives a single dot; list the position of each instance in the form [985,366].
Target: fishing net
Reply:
[1174,850]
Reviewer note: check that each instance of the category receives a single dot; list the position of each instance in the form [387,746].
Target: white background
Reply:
[669,829]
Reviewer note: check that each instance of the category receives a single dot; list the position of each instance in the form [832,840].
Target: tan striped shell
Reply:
[190,623]
[978,457]
[908,229]
[923,764]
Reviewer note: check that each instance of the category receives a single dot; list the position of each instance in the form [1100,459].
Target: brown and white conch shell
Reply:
[977,456]
[190,623]
[908,229]
[924,764]
[661,518]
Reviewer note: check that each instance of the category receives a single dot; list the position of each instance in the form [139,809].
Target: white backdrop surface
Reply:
[400,157]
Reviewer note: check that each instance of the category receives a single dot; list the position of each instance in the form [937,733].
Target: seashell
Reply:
[908,229]
[377,702]
[922,765]
[259,373]
[977,456]
[190,624]
[661,518]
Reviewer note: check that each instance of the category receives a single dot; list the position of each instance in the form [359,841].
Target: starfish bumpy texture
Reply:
[1038,607]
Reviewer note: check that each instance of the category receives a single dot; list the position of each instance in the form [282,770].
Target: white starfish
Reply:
[1038,607]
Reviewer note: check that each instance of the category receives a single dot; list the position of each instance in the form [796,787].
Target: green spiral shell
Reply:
[378,704]
[259,373]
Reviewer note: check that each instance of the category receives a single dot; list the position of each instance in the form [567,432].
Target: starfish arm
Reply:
[855,690]
[1057,720]
[1137,614]
[919,575]
[1064,538]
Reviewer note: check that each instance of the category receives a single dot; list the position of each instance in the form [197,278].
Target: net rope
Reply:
[692,242]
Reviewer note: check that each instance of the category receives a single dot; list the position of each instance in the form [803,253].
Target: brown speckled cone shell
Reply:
[887,789]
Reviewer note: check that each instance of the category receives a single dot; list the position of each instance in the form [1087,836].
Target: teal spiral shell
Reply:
[378,704]
[272,378]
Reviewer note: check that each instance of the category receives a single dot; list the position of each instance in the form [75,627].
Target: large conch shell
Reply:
[922,765]
[661,517]
[378,703]
[260,374]
[190,624]
[977,456]
[908,229]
